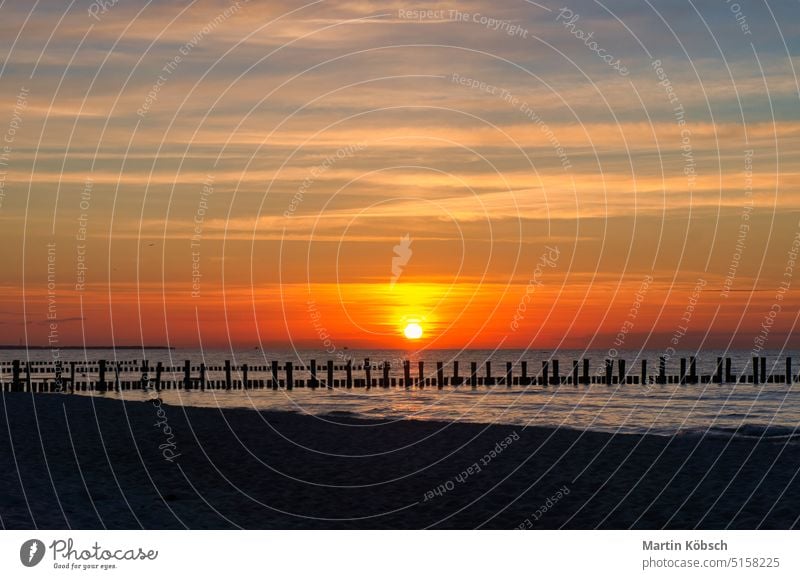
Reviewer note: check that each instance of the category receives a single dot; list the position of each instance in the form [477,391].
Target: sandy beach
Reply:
[83,462]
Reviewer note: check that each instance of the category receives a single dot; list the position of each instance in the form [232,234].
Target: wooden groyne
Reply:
[105,375]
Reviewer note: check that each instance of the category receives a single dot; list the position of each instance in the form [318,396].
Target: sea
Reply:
[769,410]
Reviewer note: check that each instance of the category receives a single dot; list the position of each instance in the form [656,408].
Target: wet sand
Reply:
[82,462]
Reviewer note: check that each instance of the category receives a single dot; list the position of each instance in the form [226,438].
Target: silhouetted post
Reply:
[386,367]
[101,375]
[523,373]
[575,365]
[682,377]
[755,369]
[509,375]
[245,383]
[59,382]
[187,373]
[28,376]
[368,373]
[203,376]
[586,380]
[644,371]
[728,371]
[159,369]
[556,377]
[145,380]
[545,373]
[439,375]
[330,374]
[227,375]
[72,377]
[693,379]
[489,379]
[289,380]
[456,379]
[622,374]
[314,383]
[609,372]
[763,370]
[788,370]
[16,385]
[473,375]
[349,374]
[662,370]
[275,375]
[406,373]
[116,377]
[718,371]
[421,372]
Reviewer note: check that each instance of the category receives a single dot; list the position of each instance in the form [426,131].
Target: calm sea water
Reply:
[744,409]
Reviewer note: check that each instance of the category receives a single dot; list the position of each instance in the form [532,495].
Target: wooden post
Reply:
[545,373]
[755,369]
[789,370]
[718,371]
[489,379]
[228,382]
[16,384]
[72,377]
[439,375]
[368,373]
[145,369]
[159,369]
[682,377]
[330,374]
[386,368]
[693,378]
[349,370]
[644,371]
[728,371]
[456,379]
[187,373]
[556,379]
[609,372]
[523,373]
[116,377]
[622,374]
[245,384]
[101,375]
[575,372]
[509,374]
[763,370]
[586,380]
[275,380]
[421,373]
[406,374]
[59,385]
[473,375]
[202,376]
[289,380]
[314,383]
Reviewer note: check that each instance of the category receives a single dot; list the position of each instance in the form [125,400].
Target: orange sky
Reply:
[239,173]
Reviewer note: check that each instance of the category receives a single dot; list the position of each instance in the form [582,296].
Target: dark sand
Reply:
[240,468]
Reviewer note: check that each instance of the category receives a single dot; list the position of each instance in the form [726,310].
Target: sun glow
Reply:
[413,331]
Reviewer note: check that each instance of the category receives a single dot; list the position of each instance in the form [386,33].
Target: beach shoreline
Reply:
[90,462]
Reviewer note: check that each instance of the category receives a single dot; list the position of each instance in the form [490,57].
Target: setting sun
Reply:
[413,331]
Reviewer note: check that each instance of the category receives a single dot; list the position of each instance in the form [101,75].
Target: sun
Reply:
[413,331]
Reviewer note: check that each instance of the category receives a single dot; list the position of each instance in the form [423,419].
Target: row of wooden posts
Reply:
[196,377]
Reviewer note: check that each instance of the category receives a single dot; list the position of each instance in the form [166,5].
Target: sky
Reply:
[617,174]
